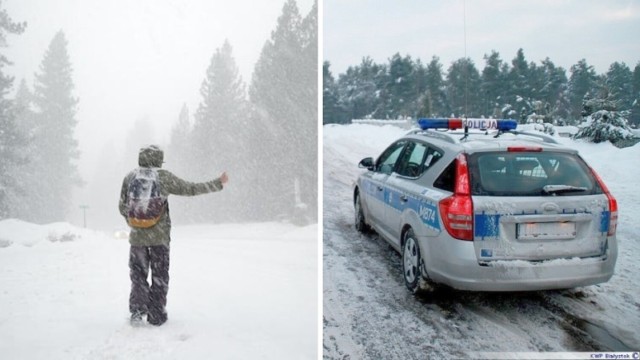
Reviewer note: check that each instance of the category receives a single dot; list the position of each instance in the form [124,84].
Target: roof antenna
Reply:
[466,69]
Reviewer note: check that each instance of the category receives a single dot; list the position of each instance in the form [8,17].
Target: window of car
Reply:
[387,161]
[433,155]
[530,174]
[411,161]
[416,159]
[446,180]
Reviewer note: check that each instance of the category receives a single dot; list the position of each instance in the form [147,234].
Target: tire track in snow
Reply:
[365,298]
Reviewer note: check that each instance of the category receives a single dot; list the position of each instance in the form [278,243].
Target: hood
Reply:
[151,156]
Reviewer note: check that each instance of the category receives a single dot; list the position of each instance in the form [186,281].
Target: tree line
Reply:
[517,89]
[265,136]
[37,147]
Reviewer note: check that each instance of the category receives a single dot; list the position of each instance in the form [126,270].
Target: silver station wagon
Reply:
[488,208]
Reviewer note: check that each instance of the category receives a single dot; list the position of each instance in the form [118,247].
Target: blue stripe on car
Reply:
[486,225]
[427,210]
[604,221]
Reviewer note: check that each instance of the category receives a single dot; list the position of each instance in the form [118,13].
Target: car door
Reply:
[404,187]
[374,186]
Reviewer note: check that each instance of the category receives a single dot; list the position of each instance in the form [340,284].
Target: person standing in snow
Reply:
[150,237]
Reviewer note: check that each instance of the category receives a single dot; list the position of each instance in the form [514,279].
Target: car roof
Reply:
[475,140]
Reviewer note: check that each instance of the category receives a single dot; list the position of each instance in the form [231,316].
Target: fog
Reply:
[135,64]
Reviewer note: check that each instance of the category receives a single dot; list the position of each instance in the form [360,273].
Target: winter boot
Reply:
[157,319]
[137,317]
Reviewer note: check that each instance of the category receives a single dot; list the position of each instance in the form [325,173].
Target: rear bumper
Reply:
[454,263]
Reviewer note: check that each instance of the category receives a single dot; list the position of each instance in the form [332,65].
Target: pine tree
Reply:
[619,83]
[635,106]
[331,110]
[581,82]
[463,80]
[307,191]
[603,122]
[179,149]
[219,133]
[434,101]
[493,88]
[25,122]
[12,139]
[282,96]
[519,76]
[54,143]
[24,107]
[521,85]
[400,87]
[360,89]
[552,91]
[179,160]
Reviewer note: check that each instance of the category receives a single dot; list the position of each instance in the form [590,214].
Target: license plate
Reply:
[546,231]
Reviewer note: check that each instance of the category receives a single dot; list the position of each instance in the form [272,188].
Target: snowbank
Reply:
[14,231]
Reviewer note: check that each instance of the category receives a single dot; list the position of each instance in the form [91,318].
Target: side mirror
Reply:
[366,163]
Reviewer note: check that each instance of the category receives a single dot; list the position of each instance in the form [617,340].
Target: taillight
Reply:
[613,204]
[457,210]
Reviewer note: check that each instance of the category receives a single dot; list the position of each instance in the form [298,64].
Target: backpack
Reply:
[145,202]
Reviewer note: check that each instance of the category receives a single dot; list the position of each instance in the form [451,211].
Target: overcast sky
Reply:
[566,31]
[138,59]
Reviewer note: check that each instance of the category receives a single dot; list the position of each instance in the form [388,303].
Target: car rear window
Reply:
[530,174]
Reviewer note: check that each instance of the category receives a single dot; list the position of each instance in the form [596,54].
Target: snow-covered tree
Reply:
[220,135]
[55,148]
[12,138]
[434,100]
[360,89]
[331,109]
[179,149]
[520,76]
[602,122]
[307,192]
[25,118]
[282,93]
[400,87]
[581,82]
[463,80]
[619,84]
[552,92]
[635,106]
[493,88]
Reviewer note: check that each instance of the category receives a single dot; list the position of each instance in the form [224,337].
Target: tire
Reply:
[360,222]
[412,266]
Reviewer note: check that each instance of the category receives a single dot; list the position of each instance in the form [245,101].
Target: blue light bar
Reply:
[482,124]
[439,123]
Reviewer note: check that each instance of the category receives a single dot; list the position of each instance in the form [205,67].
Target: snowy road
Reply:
[368,313]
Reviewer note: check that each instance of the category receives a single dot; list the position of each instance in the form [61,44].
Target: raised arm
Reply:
[177,186]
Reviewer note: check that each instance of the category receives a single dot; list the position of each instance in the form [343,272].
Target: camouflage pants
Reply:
[145,299]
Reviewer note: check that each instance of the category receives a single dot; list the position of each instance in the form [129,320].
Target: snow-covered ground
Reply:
[368,313]
[245,291]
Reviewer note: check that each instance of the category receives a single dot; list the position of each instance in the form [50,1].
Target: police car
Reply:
[476,204]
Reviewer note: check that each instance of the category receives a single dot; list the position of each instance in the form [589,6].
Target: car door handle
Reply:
[380,188]
[404,198]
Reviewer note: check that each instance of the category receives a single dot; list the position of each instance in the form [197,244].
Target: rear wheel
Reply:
[361,224]
[412,265]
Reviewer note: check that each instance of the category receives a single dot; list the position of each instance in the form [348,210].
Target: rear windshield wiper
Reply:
[556,189]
